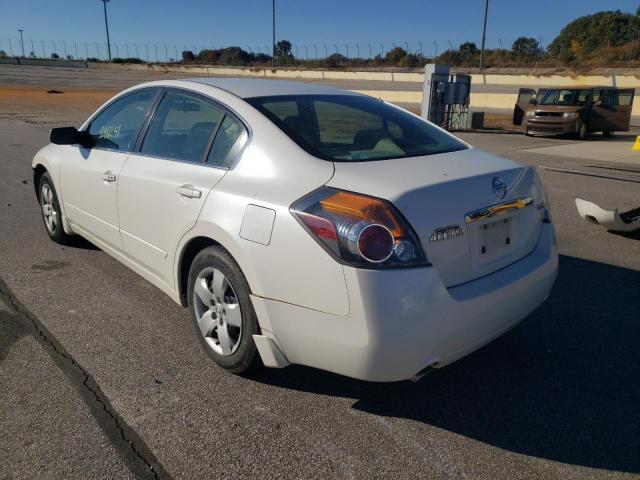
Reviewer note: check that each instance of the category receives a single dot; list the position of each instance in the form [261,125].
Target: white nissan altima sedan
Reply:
[304,224]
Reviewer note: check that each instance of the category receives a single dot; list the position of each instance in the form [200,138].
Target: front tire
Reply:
[608,133]
[50,209]
[582,131]
[221,310]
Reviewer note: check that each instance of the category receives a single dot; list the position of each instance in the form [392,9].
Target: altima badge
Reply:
[499,187]
[446,233]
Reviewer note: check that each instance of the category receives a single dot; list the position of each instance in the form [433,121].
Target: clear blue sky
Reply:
[248,23]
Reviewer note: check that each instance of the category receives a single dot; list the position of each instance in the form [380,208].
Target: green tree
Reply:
[394,56]
[283,49]
[594,31]
[526,47]
[468,48]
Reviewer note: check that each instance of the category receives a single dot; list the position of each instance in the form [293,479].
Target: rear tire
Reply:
[221,310]
[50,210]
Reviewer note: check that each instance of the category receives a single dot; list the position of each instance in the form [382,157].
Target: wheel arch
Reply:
[38,170]
[191,248]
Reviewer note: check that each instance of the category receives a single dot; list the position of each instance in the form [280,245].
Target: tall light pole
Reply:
[106,27]
[21,41]
[273,37]
[484,31]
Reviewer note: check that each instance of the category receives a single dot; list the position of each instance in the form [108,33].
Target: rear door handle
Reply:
[189,191]
[108,176]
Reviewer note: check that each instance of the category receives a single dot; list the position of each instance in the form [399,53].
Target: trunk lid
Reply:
[437,193]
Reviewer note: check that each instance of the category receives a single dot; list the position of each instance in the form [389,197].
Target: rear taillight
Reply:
[359,230]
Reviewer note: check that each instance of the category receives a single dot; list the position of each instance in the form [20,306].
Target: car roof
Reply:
[255,87]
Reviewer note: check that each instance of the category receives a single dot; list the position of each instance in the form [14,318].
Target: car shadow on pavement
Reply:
[564,385]
[11,331]
[76,241]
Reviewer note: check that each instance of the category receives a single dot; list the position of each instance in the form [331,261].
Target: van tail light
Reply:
[359,230]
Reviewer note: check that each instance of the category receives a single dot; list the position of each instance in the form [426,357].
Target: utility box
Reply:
[436,78]
[445,99]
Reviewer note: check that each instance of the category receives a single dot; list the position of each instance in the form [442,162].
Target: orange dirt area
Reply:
[35,105]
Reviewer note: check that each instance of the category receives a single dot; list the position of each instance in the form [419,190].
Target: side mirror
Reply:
[70,136]
[533,101]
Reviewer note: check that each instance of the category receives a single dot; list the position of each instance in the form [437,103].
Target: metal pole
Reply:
[484,31]
[44,54]
[10,48]
[273,33]
[106,27]
[75,47]
[21,41]
[33,50]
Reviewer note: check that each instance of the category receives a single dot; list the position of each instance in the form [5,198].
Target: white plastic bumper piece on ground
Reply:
[610,220]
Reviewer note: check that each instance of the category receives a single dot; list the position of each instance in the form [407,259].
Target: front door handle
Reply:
[108,176]
[189,191]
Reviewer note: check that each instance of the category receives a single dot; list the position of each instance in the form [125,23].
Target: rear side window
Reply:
[182,127]
[611,97]
[230,139]
[354,128]
[117,125]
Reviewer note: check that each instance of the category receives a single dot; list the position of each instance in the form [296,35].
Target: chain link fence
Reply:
[409,55]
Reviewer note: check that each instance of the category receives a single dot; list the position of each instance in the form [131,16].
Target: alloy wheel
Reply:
[217,311]
[48,208]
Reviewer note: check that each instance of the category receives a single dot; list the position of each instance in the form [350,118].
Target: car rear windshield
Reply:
[353,128]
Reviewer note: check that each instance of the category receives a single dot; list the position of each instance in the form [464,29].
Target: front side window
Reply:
[353,127]
[117,125]
[181,127]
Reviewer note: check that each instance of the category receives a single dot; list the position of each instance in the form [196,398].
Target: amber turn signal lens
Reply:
[362,208]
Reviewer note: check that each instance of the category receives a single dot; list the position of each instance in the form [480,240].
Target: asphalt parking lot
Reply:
[101,376]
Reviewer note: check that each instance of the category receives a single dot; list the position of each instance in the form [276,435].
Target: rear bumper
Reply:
[550,125]
[401,321]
